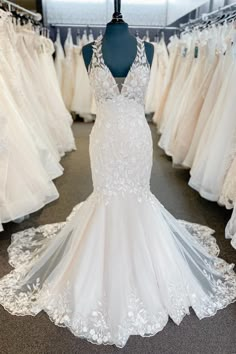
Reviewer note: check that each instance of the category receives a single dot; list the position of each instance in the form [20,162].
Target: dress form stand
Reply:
[119,47]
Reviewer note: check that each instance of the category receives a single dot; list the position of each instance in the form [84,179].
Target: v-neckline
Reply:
[109,70]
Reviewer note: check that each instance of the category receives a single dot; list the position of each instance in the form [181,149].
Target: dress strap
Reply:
[97,54]
[141,57]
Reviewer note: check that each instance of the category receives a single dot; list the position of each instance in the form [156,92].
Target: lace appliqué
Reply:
[104,84]
[96,325]
[203,235]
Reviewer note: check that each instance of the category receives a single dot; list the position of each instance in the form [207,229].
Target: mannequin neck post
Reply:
[120,30]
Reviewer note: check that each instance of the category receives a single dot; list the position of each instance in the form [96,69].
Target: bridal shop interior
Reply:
[50,107]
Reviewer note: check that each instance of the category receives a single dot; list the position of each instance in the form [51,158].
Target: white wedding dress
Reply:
[121,264]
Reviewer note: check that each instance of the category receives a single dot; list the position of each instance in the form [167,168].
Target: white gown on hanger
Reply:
[162,65]
[206,110]
[211,94]
[149,100]
[12,75]
[50,96]
[172,101]
[207,62]
[34,88]
[173,49]
[121,264]
[68,71]
[213,156]
[25,181]
[59,59]
[82,98]
[169,127]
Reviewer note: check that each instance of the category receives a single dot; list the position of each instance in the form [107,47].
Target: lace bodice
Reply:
[120,142]
[104,84]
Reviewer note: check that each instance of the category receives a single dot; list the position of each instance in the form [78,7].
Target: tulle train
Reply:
[117,269]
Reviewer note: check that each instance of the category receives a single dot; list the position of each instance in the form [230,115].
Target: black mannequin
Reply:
[119,47]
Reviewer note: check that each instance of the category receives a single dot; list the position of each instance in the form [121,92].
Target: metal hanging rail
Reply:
[205,16]
[226,7]
[104,26]
[37,16]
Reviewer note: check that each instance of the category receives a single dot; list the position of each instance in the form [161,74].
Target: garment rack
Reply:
[104,26]
[226,7]
[37,16]
[205,16]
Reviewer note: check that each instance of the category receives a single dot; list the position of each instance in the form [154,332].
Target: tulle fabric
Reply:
[228,192]
[38,65]
[12,75]
[34,188]
[59,60]
[208,105]
[189,116]
[29,151]
[215,148]
[107,282]
[230,231]
[68,71]
[167,138]
[173,48]
[162,61]
[83,96]
[171,103]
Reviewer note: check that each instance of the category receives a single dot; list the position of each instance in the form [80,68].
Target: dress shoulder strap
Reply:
[97,53]
[141,57]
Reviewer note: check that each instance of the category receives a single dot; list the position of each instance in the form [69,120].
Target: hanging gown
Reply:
[206,110]
[42,66]
[169,128]
[207,62]
[34,87]
[59,59]
[149,100]
[210,99]
[68,71]
[121,264]
[162,65]
[82,98]
[173,48]
[12,74]
[25,181]
[213,156]
[185,58]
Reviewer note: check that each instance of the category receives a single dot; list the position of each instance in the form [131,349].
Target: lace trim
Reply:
[95,327]
[203,235]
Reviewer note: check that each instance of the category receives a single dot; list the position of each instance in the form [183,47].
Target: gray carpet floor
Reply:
[38,335]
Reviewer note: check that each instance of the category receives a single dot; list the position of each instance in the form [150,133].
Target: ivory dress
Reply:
[207,61]
[59,59]
[121,264]
[68,71]
[215,148]
[27,160]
